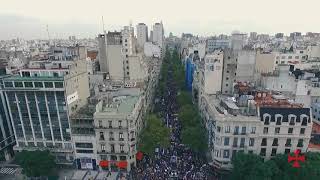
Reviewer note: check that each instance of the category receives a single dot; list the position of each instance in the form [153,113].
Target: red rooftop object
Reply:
[104,163]
[139,155]
[122,164]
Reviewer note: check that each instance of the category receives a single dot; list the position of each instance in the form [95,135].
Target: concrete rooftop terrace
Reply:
[121,105]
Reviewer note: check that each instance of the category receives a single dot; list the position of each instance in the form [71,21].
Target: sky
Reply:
[28,19]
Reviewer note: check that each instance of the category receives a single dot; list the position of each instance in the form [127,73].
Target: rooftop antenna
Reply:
[104,31]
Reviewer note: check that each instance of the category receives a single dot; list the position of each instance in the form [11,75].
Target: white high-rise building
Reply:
[158,34]
[142,34]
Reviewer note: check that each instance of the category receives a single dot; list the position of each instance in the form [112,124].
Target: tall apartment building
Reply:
[212,72]
[238,40]
[142,34]
[158,34]
[115,48]
[239,66]
[263,124]
[118,121]
[40,100]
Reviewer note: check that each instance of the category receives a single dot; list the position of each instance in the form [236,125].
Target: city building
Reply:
[40,100]
[118,121]
[262,123]
[142,34]
[216,43]
[158,34]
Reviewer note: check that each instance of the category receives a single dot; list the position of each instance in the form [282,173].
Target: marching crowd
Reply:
[178,161]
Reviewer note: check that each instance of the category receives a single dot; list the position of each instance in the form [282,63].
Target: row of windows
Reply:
[292,119]
[18,84]
[277,130]
[236,130]
[111,136]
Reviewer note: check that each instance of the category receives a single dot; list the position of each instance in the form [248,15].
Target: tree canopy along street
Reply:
[173,140]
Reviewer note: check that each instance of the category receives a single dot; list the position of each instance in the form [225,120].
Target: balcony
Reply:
[288,145]
[121,139]
[101,138]
[275,144]
[241,145]
[111,139]
[300,145]
[132,139]
[263,143]
[236,133]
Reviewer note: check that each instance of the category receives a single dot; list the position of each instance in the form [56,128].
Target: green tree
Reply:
[195,138]
[249,167]
[155,134]
[36,163]
[184,98]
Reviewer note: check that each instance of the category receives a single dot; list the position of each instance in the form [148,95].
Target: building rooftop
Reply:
[124,105]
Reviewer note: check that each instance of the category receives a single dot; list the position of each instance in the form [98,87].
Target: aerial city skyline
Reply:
[24,20]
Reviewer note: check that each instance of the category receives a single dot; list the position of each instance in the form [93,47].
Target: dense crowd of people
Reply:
[178,161]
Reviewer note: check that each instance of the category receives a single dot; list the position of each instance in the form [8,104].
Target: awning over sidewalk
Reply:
[104,163]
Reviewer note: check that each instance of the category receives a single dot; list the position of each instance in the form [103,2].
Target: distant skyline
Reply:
[28,19]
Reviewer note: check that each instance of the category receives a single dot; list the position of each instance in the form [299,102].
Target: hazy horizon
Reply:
[28,19]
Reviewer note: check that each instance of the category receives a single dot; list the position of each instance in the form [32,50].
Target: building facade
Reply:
[39,103]
[142,34]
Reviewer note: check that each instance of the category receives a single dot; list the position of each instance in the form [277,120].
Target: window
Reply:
[235,142]
[85,151]
[58,84]
[265,130]
[302,130]
[48,84]
[253,130]
[111,136]
[287,151]
[275,142]
[226,154]
[288,143]
[296,57]
[251,142]
[236,130]
[266,120]
[18,84]
[291,121]
[227,129]
[84,145]
[226,141]
[8,84]
[304,121]
[227,78]
[300,143]
[283,57]
[290,130]
[123,158]
[273,151]
[218,128]
[113,157]
[121,148]
[277,130]
[28,84]
[243,130]
[112,148]
[101,136]
[278,120]
[38,84]
[263,152]
[121,136]
[110,124]
[264,142]
[242,141]
[100,123]
[277,62]
[103,147]
[250,152]
[120,124]
[289,57]
[282,62]
[127,73]
[227,85]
